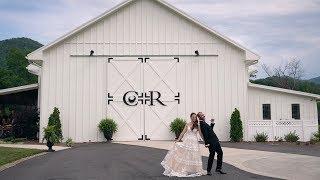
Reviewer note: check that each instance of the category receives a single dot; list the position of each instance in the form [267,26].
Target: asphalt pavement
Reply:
[104,161]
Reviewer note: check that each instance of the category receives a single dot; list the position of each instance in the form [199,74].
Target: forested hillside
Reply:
[301,85]
[13,63]
[315,80]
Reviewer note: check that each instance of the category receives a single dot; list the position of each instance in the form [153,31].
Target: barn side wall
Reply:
[281,122]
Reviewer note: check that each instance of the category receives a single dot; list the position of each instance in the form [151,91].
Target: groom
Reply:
[212,142]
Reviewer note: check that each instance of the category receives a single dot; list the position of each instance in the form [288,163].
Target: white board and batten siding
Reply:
[78,86]
[281,122]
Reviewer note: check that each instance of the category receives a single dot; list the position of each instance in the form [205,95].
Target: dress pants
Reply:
[215,148]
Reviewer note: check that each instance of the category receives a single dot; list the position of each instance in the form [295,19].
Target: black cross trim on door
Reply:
[145,138]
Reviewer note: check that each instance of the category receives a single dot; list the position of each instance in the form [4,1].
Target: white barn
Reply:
[143,72]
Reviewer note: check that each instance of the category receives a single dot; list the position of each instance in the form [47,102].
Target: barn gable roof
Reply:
[37,54]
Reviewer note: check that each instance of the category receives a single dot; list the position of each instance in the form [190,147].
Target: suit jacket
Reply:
[208,134]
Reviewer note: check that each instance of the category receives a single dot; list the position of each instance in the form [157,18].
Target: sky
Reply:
[277,30]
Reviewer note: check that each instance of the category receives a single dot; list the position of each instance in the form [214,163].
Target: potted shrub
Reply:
[108,127]
[177,126]
[54,120]
[51,137]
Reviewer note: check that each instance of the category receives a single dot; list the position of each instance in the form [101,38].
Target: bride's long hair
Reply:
[195,123]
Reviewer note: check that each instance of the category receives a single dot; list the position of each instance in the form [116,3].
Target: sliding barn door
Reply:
[125,75]
[160,78]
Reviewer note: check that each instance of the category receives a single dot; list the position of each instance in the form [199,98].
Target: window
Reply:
[266,108]
[295,111]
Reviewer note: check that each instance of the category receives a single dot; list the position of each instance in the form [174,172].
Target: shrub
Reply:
[54,121]
[108,127]
[24,120]
[177,125]
[279,139]
[30,122]
[313,140]
[315,137]
[236,129]
[69,142]
[50,134]
[291,137]
[10,139]
[261,137]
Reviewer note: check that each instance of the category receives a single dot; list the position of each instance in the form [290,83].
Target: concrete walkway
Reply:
[271,164]
[33,146]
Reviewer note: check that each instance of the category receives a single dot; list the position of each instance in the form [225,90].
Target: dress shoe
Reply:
[220,171]
[209,174]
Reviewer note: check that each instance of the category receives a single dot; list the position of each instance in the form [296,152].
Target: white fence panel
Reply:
[255,127]
[279,128]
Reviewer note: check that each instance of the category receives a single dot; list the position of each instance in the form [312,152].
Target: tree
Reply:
[236,129]
[54,120]
[287,75]
[301,85]
[15,72]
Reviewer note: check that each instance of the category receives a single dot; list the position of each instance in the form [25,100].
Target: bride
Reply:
[184,159]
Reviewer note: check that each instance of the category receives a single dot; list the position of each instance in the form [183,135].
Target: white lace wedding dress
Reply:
[184,159]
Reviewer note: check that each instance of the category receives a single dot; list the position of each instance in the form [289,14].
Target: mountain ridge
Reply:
[315,80]
[23,44]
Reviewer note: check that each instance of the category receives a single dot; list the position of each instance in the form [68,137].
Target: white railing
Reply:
[279,128]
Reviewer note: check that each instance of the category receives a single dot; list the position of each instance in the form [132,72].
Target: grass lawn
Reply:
[8,155]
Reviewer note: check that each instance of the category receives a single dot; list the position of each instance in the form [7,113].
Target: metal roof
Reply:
[18,89]
[271,88]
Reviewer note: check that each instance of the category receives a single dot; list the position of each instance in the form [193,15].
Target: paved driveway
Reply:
[104,161]
[272,163]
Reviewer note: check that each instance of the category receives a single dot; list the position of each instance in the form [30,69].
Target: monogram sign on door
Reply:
[142,97]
